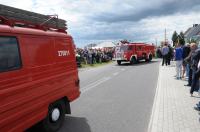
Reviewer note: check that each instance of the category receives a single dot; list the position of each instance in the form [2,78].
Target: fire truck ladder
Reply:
[16,17]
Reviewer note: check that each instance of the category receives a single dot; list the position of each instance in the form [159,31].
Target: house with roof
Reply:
[193,33]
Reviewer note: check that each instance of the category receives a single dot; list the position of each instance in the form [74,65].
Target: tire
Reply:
[150,58]
[119,62]
[133,60]
[55,117]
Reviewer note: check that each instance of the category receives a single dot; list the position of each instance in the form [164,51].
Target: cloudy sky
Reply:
[92,21]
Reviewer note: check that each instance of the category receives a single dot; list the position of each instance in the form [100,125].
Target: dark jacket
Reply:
[188,59]
[186,51]
[195,59]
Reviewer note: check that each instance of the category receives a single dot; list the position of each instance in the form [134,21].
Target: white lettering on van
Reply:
[63,53]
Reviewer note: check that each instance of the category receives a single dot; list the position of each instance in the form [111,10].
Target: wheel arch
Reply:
[133,56]
[150,54]
[66,102]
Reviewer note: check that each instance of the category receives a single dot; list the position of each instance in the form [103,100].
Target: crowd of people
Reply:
[93,56]
[187,64]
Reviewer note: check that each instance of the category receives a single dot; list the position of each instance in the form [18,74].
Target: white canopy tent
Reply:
[105,45]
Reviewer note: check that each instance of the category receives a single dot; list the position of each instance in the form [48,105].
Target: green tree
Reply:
[174,38]
[181,38]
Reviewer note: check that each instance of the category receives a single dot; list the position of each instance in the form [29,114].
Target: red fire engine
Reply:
[133,52]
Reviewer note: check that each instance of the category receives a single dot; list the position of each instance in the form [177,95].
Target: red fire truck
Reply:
[38,72]
[133,52]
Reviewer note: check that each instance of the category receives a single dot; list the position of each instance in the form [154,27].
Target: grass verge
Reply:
[95,65]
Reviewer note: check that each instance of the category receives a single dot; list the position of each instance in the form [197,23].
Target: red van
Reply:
[38,76]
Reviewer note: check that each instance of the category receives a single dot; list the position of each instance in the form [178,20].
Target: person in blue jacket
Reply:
[178,59]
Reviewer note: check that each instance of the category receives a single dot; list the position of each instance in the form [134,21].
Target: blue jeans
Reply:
[187,70]
[195,81]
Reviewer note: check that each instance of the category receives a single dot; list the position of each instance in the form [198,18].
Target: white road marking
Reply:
[94,84]
[115,74]
[122,69]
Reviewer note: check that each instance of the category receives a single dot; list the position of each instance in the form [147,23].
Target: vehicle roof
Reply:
[31,31]
[137,44]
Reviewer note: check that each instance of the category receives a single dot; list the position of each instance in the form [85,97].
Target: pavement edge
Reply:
[154,103]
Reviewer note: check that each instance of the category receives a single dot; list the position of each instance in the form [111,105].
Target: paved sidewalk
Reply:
[173,109]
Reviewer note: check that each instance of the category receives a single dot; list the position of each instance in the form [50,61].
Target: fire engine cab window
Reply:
[124,48]
[130,48]
[9,54]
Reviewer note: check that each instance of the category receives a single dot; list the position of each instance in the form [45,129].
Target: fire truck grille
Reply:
[119,55]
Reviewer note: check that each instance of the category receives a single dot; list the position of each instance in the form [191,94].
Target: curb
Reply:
[154,103]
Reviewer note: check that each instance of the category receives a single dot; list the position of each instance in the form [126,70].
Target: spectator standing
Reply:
[165,51]
[90,56]
[93,56]
[195,72]
[188,60]
[178,59]
[158,52]
[169,55]
[85,55]
[186,52]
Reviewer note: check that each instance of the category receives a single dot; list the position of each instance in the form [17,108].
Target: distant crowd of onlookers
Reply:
[187,64]
[93,56]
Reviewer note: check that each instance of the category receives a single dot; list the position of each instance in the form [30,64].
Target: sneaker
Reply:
[197,108]
[187,85]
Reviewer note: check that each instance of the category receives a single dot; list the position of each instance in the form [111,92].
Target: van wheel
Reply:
[55,117]
[133,61]
[119,62]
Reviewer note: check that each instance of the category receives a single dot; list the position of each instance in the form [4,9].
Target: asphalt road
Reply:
[114,99]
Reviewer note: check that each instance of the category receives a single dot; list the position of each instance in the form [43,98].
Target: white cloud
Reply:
[22,4]
[137,20]
[179,22]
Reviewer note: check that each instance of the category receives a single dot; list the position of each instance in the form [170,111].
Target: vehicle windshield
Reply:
[121,48]
[124,48]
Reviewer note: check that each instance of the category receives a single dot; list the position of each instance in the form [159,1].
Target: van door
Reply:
[65,54]
[66,65]
[13,77]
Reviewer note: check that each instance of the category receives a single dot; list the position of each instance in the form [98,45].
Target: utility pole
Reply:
[156,42]
[165,37]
